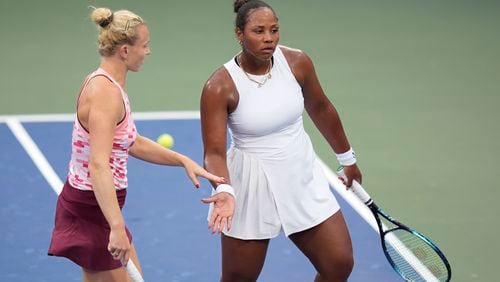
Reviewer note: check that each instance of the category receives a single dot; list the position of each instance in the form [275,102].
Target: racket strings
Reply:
[415,258]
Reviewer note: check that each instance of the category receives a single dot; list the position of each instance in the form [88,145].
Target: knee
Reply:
[339,270]
[347,264]
[238,277]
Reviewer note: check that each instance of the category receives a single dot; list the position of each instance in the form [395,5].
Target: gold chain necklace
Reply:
[259,83]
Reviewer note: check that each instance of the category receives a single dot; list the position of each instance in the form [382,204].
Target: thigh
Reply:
[114,275]
[242,260]
[327,245]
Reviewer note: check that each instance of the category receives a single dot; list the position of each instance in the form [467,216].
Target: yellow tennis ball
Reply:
[166,140]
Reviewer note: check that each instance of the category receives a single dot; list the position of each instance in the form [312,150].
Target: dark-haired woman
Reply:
[89,226]
[260,95]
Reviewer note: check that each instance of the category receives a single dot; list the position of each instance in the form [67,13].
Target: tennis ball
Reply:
[166,140]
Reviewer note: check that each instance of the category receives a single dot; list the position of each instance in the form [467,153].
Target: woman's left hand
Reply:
[352,172]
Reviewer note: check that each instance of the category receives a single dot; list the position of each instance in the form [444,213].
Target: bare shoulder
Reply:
[289,51]
[219,82]
[295,57]
[299,62]
[103,94]
[100,100]
[219,92]
[101,87]
[220,88]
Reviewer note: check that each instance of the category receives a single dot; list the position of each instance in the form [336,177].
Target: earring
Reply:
[241,43]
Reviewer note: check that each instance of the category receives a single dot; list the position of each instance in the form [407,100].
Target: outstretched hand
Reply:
[222,213]
[193,171]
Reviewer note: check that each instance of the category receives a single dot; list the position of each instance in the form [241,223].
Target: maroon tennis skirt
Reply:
[81,232]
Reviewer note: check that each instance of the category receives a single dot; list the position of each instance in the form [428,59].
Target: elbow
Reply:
[317,106]
[213,156]
[321,110]
[97,165]
[134,151]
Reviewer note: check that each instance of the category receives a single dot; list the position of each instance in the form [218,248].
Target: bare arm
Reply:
[320,109]
[217,100]
[216,103]
[104,109]
[147,150]
[152,152]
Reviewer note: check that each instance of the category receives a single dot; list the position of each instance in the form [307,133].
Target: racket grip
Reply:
[356,188]
[133,272]
[360,192]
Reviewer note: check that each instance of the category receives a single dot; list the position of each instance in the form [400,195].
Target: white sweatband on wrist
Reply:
[347,158]
[225,188]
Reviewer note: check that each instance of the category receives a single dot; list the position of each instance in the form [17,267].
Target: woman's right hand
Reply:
[193,170]
[222,213]
[119,245]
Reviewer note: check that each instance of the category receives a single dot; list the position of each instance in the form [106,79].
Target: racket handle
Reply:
[356,188]
[133,272]
[361,193]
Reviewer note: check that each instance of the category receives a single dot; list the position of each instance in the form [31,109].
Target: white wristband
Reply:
[225,188]
[347,158]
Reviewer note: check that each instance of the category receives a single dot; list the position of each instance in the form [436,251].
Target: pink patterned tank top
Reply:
[125,134]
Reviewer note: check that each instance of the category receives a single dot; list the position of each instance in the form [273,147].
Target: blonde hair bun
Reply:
[102,16]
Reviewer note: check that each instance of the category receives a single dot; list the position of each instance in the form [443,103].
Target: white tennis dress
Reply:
[273,168]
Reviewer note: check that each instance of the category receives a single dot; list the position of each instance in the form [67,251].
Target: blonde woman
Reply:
[89,226]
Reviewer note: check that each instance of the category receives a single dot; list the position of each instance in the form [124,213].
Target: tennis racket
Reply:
[133,272]
[412,255]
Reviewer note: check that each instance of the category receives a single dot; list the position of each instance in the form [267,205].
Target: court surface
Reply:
[163,210]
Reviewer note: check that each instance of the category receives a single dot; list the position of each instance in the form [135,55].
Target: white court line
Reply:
[167,115]
[178,115]
[35,154]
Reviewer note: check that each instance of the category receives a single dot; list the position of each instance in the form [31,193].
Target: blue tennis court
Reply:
[163,210]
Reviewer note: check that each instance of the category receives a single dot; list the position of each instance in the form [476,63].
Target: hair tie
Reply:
[107,21]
